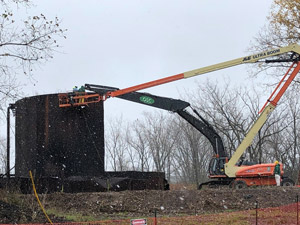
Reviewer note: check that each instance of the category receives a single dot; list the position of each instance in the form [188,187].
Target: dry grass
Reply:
[183,186]
[269,216]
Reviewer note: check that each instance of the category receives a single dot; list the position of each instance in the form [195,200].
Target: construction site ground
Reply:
[66,207]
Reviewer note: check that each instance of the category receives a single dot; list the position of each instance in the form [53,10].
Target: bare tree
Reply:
[137,141]
[24,42]
[232,112]
[290,137]
[2,156]
[116,145]
[282,28]
[192,154]
[158,129]
[223,108]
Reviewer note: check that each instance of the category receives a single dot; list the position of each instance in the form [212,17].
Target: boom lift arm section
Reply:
[294,48]
[230,168]
[173,105]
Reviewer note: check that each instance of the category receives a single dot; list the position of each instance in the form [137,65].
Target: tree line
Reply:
[165,142]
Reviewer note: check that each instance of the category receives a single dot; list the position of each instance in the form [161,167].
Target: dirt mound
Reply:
[117,205]
[175,202]
[10,213]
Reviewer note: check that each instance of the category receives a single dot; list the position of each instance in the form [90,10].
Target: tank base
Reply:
[110,181]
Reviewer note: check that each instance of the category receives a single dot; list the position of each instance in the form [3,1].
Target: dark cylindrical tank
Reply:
[58,142]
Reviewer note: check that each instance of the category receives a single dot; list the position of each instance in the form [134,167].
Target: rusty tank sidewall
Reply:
[58,142]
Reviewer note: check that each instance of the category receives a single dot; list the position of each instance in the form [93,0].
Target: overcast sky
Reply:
[123,43]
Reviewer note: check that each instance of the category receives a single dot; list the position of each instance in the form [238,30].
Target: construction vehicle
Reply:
[179,107]
[223,170]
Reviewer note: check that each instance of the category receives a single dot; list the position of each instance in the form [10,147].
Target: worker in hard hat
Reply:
[277,173]
[81,91]
[75,89]
[73,94]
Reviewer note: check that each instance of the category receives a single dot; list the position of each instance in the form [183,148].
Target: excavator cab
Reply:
[217,166]
[216,171]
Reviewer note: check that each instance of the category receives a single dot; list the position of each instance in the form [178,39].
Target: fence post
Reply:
[256,214]
[155,220]
[297,210]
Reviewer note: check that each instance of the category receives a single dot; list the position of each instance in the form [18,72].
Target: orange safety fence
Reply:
[287,214]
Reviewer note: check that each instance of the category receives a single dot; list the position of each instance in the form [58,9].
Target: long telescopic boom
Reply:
[65,100]
[294,48]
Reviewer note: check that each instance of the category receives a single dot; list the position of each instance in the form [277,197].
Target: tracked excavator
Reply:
[180,107]
[222,170]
